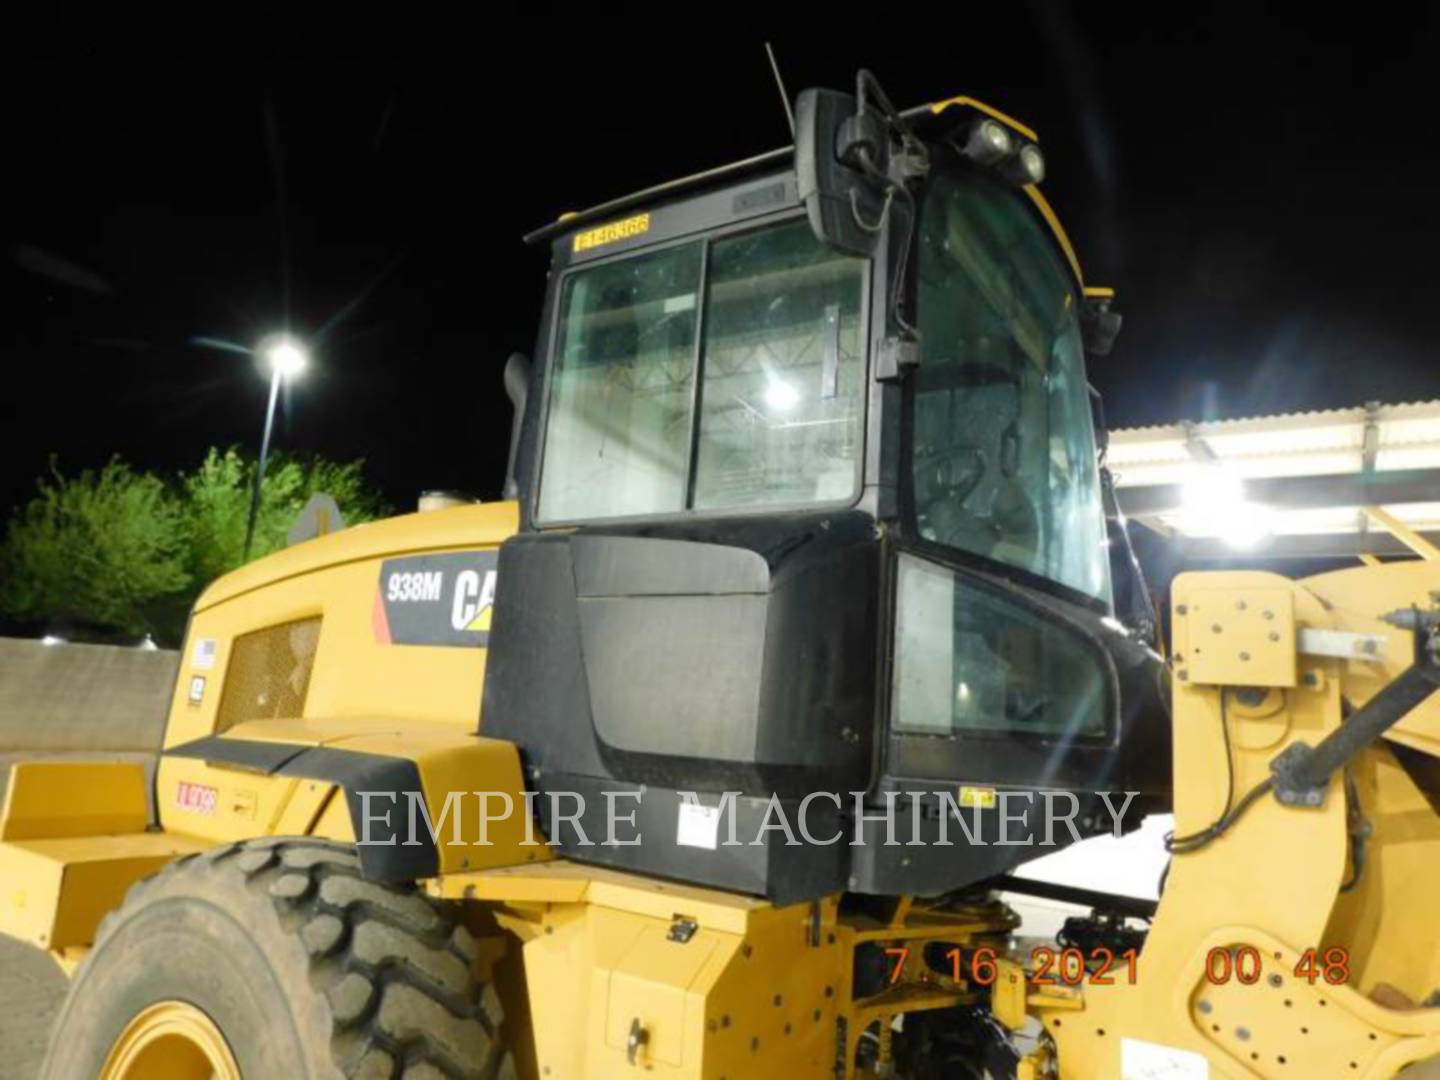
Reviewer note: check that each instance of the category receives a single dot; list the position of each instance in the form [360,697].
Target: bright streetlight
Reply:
[286,359]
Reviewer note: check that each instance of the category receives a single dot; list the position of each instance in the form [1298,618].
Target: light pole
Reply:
[287,358]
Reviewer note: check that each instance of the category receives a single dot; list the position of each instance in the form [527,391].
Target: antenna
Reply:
[780,84]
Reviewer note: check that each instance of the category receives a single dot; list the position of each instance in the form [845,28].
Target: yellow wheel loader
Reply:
[708,753]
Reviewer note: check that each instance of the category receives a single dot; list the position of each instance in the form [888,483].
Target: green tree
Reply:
[216,497]
[107,547]
[128,550]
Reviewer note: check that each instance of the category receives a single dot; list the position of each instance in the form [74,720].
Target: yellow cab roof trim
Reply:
[964,102]
[1041,203]
[1048,213]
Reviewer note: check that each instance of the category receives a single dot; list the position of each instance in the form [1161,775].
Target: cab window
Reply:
[1002,450]
[776,416]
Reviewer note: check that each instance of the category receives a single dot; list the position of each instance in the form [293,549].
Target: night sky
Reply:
[1259,188]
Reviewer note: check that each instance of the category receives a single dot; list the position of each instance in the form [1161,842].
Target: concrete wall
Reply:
[67,702]
[83,697]
[82,701]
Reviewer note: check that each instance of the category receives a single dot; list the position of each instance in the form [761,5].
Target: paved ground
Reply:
[31,988]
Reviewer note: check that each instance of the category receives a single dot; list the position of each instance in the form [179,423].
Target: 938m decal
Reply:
[436,599]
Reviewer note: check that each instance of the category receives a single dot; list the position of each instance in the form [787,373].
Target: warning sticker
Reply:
[205,651]
[437,599]
[982,797]
[697,826]
[197,798]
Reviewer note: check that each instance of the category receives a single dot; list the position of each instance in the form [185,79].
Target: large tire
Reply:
[306,969]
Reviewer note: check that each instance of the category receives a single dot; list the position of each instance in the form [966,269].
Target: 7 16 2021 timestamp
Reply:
[1104,967]
[1055,967]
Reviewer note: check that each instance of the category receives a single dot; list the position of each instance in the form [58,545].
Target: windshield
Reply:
[775,419]
[1003,447]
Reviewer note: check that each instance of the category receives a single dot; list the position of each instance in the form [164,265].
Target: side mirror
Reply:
[517,389]
[1099,326]
[841,157]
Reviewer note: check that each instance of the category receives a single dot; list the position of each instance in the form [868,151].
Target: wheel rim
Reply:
[171,1040]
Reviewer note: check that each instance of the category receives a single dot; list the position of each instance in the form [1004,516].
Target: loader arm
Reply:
[1295,929]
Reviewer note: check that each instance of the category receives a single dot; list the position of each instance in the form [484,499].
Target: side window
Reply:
[268,674]
[781,372]
[781,398]
[968,660]
[617,437]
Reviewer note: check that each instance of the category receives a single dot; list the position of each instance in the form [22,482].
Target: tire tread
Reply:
[394,967]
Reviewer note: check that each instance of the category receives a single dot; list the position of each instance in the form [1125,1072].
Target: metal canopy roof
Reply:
[1341,482]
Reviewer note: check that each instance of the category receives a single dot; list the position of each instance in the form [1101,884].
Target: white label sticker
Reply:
[698,826]
[197,689]
[1152,1061]
[205,650]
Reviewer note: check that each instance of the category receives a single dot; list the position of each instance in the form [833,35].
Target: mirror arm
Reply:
[1142,601]
[865,80]
[517,389]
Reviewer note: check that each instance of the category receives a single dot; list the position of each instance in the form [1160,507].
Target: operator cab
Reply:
[811,507]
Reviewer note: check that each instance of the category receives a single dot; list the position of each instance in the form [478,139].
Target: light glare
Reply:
[781,396]
[286,358]
[1214,504]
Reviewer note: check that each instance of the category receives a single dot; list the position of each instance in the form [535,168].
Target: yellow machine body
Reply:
[74,837]
[754,990]
[1333,975]
[361,694]
[628,976]
[602,983]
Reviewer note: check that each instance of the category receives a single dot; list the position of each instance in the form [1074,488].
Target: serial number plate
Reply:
[609,233]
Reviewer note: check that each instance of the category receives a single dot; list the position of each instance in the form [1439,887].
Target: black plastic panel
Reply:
[745,655]
[638,648]
[536,694]
[635,566]
[1011,833]
[785,873]
[734,655]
